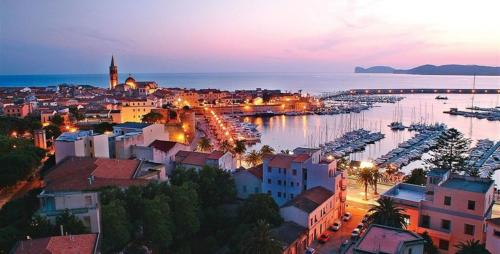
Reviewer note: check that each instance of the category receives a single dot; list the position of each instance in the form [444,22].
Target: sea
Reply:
[289,132]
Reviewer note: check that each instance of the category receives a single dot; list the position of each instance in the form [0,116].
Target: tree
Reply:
[387,213]
[471,247]
[204,144]
[57,120]
[429,247]
[239,149]
[216,187]
[418,176]
[266,150]
[41,227]
[225,146]
[450,152]
[70,224]
[260,207]
[253,158]
[103,127]
[116,226]
[52,131]
[342,164]
[158,223]
[286,151]
[172,114]
[184,203]
[375,176]
[261,241]
[365,177]
[152,117]
[76,113]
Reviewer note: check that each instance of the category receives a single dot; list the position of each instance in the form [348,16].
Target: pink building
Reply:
[493,235]
[82,244]
[16,110]
[451,208]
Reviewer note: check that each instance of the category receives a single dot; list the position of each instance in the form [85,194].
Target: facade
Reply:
[73,185]
[197,160]
[248,181]
[382,239]
[40,139]
[451,208]
[286,176]
[134,110]
[493,235]
[82,144]
[82,244]
[130,134]
[160,151]
[293,237]
[19,111]
[314,209]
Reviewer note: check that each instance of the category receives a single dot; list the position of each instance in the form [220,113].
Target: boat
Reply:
[396,126]
[440,97]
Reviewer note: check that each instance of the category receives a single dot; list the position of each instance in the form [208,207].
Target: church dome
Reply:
[129,80]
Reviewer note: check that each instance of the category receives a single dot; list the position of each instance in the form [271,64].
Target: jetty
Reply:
[485,157]
[491,114]
[380,91]
[350,142]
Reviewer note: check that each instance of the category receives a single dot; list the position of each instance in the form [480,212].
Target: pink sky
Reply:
[230,35]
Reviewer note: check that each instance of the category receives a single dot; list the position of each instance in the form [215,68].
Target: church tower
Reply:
[113,74]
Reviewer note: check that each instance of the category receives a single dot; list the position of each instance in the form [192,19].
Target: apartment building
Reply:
[134,110]
[286,176]
[451,208]
[82,144]
[248,181]
[130,134]
[20,111]
[160,151]
[74,183]
[197,160]
[493,235]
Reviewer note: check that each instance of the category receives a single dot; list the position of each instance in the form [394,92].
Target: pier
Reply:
[372,91]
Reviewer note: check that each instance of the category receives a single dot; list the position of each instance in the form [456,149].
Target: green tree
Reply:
[239,149]
[260,207]
[429,247]
[52,131]
[184,203]
[70,223]
[261,241]
[216,187]
[375,177]
[387,213]
[450,151]
[57,120]
[471,247]
[266,150]
[204,144]
[418,176]
[116,226]
[158,223]
[225,146]
[253,158]
[152,117]
[364,177]
[102,127]
[73,110]
[342,164]
[41,227]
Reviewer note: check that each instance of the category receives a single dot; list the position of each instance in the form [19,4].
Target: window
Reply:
[279,182]
[88,200]
[425,221]
[443,244]
[294,172]
[447,200]
[410,251]
[284,183]
[291,196]
[291,184]
[284,171]
[471,205]
[244,188]
[468,229]
[279,194]
[256,190]
[312,221]
[269,192]
[269,180]
[445,224]
[269,169]
[279,170]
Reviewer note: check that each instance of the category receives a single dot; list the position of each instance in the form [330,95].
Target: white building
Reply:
[160,151]
[73,184]
[248,181]
[81,144]
[197,160]
[131,134]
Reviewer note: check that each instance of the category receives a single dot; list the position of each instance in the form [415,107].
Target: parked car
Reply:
[311,250]
[355,233]
[336,225]
[360,226]
[344,243]
[347,216]
[324,238]
[365,219]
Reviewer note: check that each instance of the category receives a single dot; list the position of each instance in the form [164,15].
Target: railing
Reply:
[61,211]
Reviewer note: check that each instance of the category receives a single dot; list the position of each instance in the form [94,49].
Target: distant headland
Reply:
[428,69]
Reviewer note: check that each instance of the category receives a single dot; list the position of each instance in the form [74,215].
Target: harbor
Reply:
[350,142]
[491,114]
[485,157]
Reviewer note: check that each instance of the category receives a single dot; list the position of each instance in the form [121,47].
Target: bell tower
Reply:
[113,74]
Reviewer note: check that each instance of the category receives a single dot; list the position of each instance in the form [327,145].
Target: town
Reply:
[139,168]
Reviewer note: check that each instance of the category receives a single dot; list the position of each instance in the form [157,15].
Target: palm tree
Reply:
[266,150]
[471,247]
[225,146]
[364,176]
[204,144]
[239,149]
[387,213]
[287,151]
[261,241]
[253,158]
[375,176]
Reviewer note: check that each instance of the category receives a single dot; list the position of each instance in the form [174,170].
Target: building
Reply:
[160,151]
[197,160]
[313,209]
[132,110]
[70,244]
[248,181]
[292,236]
[286,176]
[382,239]
[40,139]
[19,111]
[81,144]
[138,88]
[493,235]
[131,134]
[74,183]
[451,208]
[113,74]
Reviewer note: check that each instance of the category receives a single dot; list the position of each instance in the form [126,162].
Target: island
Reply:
[428,69]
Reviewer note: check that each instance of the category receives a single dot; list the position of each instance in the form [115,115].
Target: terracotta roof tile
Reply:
[281,161]
[162,145]
[310,199]
[256,171]
[215,155]
[75,244]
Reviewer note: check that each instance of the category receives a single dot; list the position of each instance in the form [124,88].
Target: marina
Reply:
[491,114]
[352,141]
[485,157]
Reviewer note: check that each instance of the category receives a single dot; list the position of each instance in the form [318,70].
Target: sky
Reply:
[79,37]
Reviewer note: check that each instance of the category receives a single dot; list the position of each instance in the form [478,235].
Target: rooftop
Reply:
[475,184]
[73,136]
[437,172]
[75,244]
[383,239]
[288,232]
[196,158]
[133,125]
[310,199]
[407,191]
[162,145]
[494,221]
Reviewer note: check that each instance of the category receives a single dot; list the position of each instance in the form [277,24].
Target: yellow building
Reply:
[133,110]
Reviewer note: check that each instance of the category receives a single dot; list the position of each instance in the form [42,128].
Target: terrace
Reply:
[406,194]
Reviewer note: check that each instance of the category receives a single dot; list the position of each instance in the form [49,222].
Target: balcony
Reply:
[50,212]
[343,199]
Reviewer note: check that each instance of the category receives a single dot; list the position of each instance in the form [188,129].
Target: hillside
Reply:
[450,69]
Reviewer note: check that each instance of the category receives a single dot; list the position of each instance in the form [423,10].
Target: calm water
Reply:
[289,132]
[309,82]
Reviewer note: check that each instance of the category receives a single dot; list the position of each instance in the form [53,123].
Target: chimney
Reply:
[61,227]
